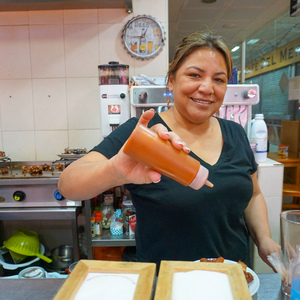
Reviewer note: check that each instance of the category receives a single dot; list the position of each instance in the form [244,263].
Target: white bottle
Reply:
[259,136]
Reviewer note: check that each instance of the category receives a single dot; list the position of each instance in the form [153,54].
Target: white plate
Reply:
[71,156]
[254,285]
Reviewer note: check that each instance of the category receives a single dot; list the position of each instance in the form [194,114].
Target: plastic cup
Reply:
[290,241]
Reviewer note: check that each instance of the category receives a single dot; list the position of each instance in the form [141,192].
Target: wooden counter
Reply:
[291,167]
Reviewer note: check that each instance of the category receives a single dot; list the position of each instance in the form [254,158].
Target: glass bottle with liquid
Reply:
[98,224]
[107,209]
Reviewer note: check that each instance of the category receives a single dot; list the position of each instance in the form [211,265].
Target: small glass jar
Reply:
[126,205]
[93,226]
[128,210]
[107,210]
[98,224]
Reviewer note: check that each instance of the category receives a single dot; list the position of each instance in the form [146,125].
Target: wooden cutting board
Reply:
[238,283]
[75,280]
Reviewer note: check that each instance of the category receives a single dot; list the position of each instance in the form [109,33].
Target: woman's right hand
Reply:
[138,173]
[93,173]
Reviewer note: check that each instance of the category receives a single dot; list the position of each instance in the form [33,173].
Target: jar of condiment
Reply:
[93,226]
[126,204]
[98,224]
[107,210]
[128,211]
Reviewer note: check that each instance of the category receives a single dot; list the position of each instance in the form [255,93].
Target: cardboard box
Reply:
[290,135]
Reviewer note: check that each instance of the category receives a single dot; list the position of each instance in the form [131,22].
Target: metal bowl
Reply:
[62,257]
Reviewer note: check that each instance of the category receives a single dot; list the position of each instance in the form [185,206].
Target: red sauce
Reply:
[148,148]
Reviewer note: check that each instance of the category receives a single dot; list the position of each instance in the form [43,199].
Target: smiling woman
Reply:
[214,221]
[201,82]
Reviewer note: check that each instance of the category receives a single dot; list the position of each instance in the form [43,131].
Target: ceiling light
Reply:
[253,41]
[229,25]
[235,48]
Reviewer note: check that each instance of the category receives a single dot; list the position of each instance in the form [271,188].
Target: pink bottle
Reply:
[148,148]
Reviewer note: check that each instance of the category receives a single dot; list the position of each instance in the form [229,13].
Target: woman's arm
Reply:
[256,216]
[93,174]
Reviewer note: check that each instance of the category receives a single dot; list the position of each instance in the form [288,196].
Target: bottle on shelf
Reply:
[107,209]
[259,136]
[98,224]
[116,225]
[118,197]
[93,225]
[128,211]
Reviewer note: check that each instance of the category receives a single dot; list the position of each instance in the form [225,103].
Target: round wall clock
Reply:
[143,37]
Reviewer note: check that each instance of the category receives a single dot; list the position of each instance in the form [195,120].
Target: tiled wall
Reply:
[49,96]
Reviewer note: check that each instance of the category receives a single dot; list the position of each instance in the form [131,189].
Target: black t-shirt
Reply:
[175,222]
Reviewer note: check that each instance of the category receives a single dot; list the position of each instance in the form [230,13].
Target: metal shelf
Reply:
[108,240]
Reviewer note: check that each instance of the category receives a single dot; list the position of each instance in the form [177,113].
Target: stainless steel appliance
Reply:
[236,106]
[29,199]
[114,97]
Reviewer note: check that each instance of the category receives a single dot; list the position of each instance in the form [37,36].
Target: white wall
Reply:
[49,97]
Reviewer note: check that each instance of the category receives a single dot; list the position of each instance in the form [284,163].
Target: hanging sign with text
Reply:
[278,58]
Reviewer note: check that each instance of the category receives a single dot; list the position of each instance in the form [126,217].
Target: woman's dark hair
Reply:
[196,41]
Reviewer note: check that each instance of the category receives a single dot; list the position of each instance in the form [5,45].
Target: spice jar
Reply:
[107,210]
[98,224]
[128,211]
[93,226]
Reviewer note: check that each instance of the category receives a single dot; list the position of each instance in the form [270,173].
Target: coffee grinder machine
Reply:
[114,96]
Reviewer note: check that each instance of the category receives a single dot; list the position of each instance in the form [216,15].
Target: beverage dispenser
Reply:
[114,96]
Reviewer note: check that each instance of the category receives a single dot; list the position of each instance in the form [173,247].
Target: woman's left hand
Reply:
[256,216]
[266,247]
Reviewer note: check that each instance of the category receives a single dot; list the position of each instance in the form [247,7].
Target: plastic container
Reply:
[127,204]
[259,136]
[113,73]
[116,225]
[148,148]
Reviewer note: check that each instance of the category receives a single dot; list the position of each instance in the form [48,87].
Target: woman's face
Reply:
[199,85]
